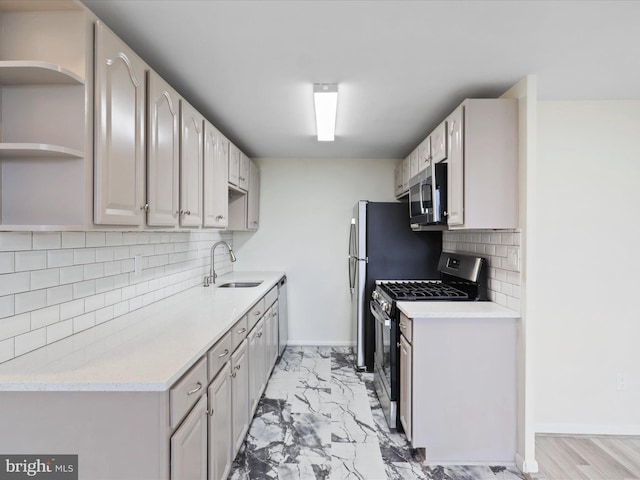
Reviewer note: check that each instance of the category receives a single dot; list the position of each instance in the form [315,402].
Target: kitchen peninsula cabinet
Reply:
[119,131]
[163,153]
[458,380]
[191,165]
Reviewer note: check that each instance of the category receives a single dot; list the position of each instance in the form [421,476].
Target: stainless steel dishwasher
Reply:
[282,315]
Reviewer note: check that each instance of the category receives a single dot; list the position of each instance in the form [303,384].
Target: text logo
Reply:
[44,467]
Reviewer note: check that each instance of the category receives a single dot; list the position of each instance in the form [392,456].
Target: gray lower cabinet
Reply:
[189,445]
[220,434]
[257,377]
[239,396]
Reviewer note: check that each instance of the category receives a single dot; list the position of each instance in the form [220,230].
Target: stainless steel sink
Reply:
[240,284]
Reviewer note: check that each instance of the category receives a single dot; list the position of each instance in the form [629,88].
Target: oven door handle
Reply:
[379,315]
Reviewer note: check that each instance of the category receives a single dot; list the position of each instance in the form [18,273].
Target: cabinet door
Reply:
[119,131]
[239,396]
[256,340]
[406,390]
[220,436]
[455,172]
[189,445]
[406,173]
[439,143]
[273,339]
[245,168]
[163,153]
[398,179]
[424,155]
[216,198]
[414,163]
[253,200]
[234,165]
[191,163]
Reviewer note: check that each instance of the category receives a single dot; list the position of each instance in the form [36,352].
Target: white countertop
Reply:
[419,310]
[145,350]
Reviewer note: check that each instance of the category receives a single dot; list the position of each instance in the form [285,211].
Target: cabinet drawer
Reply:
[186,392]
[256,312]
[219,354]
[405,327]
[239,332]
[271,297]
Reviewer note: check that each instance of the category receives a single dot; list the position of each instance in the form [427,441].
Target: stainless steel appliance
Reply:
[283,320]
[383,246]
[428,197]
[462,278]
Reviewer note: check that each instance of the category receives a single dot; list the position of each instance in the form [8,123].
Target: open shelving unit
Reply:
[46,114]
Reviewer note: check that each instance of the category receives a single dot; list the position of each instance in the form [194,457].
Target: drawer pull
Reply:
[209,412]
[259,335]
[197,389]
[233,375]
[257,313]
[237,367]
[224,354]
[242,330]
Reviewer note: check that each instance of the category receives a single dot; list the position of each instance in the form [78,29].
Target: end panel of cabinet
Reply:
[119,131]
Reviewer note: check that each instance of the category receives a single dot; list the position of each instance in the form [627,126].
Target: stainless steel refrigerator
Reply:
[382,246]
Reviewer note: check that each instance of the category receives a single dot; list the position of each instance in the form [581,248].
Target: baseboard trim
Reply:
[317,343]
[530,466]
[586,429]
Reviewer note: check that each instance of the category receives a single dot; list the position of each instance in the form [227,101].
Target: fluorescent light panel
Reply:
[325,97]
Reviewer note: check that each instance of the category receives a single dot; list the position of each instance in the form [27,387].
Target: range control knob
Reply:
[375,295]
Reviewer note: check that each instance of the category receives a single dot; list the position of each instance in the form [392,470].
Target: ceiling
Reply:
[401,66]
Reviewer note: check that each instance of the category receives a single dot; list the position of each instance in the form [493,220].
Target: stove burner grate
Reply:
[416,291]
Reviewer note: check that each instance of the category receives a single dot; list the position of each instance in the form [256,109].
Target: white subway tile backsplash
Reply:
[45,278]
[73,239]
[30,341]
[95,239]
[6,350]
[14,283]
[71,309]
[16,325]
[59,330]
[61,294]
[46,240]
[45,316]
[59,258]
[71,274]
[32,260]
[56,284]
[7,262]
[7,306]
[28,301]
[13,241]
[83,322]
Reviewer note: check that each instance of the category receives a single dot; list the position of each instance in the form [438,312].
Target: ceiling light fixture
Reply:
[325,97]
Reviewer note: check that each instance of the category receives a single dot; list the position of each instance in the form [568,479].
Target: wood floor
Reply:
[587,457]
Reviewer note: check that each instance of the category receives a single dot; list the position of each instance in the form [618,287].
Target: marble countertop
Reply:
[145,350]
[419,310]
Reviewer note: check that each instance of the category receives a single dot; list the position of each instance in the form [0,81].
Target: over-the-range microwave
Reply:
[428,198]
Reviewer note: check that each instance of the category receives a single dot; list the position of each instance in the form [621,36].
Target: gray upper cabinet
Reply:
[253,200]
[216,158]
[163,153]
[191,165]
[119,131]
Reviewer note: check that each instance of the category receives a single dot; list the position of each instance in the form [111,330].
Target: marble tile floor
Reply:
[320,419]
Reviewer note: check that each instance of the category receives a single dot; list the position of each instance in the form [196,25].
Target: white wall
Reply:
[588,320]
[305,213]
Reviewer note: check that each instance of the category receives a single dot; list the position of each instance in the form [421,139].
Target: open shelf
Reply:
[36,73]
[37,150]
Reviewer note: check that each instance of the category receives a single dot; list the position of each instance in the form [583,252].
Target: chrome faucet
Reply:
[211,278]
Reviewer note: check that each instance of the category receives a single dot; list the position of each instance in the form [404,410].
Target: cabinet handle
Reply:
[259,335]
[224,354]
[197,389]
[188,212]
[209,412]
[242,330]
[237,367]
[181,212]
[145,207]
[219,217]
[257,313]
[233,375]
